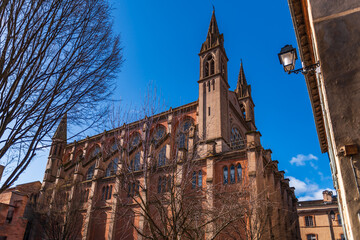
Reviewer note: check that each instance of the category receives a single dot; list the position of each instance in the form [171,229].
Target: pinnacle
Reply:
[61,131]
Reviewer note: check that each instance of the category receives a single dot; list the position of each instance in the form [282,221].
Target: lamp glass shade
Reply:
[287,57]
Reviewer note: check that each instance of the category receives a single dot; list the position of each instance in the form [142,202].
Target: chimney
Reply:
[327,195]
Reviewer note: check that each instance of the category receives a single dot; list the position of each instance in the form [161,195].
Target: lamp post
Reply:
[288,57]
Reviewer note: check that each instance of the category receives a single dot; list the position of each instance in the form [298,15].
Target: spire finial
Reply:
[213,8]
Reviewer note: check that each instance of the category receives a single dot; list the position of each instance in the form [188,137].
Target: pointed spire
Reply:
[61,131]
[242,88]
[213,38]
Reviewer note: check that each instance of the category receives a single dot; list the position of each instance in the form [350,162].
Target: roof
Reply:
[301,24]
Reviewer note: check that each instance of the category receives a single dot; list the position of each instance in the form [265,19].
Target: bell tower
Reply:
[243,93]
[56,153]
[213,89]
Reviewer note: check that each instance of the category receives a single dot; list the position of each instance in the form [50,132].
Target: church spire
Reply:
[61,131]
[213,38]
[242,88]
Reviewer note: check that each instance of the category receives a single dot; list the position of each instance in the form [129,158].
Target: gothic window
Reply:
[309,221]
[137,162]
[200,179]
[159,134]
[193,184]
[232,174]
[213,84]
[135,140]
[112,167]
[243,111]
[162,157]
[95,152]
[239,173]
[90,172]
[103,193]
[114,147]
[183,132]
[311,237]
[225,175]
[79,156]
[236,140]
[209,66]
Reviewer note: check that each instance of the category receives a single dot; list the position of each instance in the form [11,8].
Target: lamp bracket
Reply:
[306,69]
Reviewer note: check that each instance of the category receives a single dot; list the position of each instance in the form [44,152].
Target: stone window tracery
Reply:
[112,167]
[183,133]
[162,157]
[159,134]
[236,140]
[90,172]
[209,66]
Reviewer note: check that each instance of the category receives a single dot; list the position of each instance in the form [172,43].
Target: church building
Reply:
[197,171]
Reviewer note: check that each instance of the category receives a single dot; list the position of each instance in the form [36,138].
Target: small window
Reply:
[110,192]
[309,221]
[193,185]
[209,87]
[209,110]
[200,179]
[90,172]
[225,175]
[112,167]
[162,157]
[311,237]
[239,173]
[232,174]
[339,219]
[135,162]
[95,152]
[342,237]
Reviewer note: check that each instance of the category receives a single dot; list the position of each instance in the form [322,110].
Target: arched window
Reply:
[239,173]
[162,157]
[232,174]
[90,172]
[209,66]
[200,179]
[106,192]
[137,162]
[225,174]
[183,132]
[95,152]
[114,147]
[236,140]
[159,185]
[159,134]
[110,192]
[193,185]
[135,140]
[103,193]
[243,111]
[311,237]
[112,167]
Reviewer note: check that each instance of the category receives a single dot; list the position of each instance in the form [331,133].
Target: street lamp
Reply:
[332,215]
[288,56]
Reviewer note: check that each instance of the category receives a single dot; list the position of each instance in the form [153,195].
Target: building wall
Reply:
[332,30]
[212,144]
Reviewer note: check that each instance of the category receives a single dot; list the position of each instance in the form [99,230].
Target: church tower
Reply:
[243,93]
[213,89]
[56,151]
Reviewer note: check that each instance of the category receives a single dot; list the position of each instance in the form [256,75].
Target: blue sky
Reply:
[161,41]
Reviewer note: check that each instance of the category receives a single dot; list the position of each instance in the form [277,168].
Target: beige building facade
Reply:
[320,219]
[327,33]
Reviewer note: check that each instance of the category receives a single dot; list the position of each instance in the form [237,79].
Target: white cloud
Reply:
[307,190]
[317,195]
[302,187]
[300,159]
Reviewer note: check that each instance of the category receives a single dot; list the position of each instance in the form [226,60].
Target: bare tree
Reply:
[58,213]
[56,57]
[162,198]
